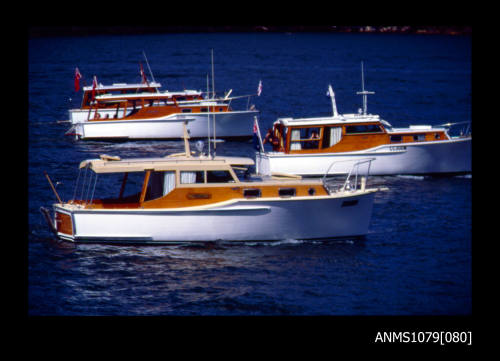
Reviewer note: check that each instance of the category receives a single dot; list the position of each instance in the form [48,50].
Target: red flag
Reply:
[259,89]
[77,79]
[94,85]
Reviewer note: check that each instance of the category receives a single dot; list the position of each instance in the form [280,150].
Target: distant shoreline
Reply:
[48,31]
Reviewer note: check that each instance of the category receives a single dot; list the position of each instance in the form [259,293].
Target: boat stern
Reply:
[61,223]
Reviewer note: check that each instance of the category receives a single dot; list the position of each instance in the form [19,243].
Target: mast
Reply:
[213,80]
[213,106]
[364,92]
[208,117]
[150,72]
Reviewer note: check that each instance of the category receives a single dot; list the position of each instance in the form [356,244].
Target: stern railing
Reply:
[465,130]
[347,185]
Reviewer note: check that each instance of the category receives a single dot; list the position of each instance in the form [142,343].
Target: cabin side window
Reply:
[192,177]
[160,184]
[419,137]
[219,176]
[251,193]
[128,186]
[364,128]
[187,110]
[331,136]
[396,139]
[287,192]
[305,138]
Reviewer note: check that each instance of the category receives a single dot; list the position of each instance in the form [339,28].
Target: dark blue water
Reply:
[416,260]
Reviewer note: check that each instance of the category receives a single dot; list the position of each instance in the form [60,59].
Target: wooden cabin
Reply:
[177,182]
[330,135]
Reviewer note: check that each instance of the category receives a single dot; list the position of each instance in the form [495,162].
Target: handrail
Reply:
[463,133]
[355,165]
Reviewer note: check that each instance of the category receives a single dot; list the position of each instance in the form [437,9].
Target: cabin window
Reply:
[286,192]
[331,136]
[396,138]
[295,140]
[311,191]
[221,109]
[242,174]
[168,182]
[419,137]
[192,177]
[219,176]
[160,184]
[180,99]
[187,110]
[437,136]
[155,186]
[204,110]
[128,185]
[305,138]
[369,128]
[251,193]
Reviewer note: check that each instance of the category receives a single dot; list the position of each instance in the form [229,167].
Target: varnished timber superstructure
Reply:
[128,96]
[142,111]
[309,146]
[190,198]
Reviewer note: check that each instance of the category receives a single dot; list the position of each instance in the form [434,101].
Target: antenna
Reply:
[363,92]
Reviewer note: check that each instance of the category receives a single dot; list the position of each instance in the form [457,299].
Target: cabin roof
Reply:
[339,119]
[118,86]
[108,97]
[149,95]
[163,164]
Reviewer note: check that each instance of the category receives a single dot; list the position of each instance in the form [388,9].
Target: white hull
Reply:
[227,124]
[451,156]
[264,219]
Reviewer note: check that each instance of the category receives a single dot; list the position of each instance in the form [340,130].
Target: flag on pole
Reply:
[77,79]
[259,88]
[94,85]
[256,144]
[257,140]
